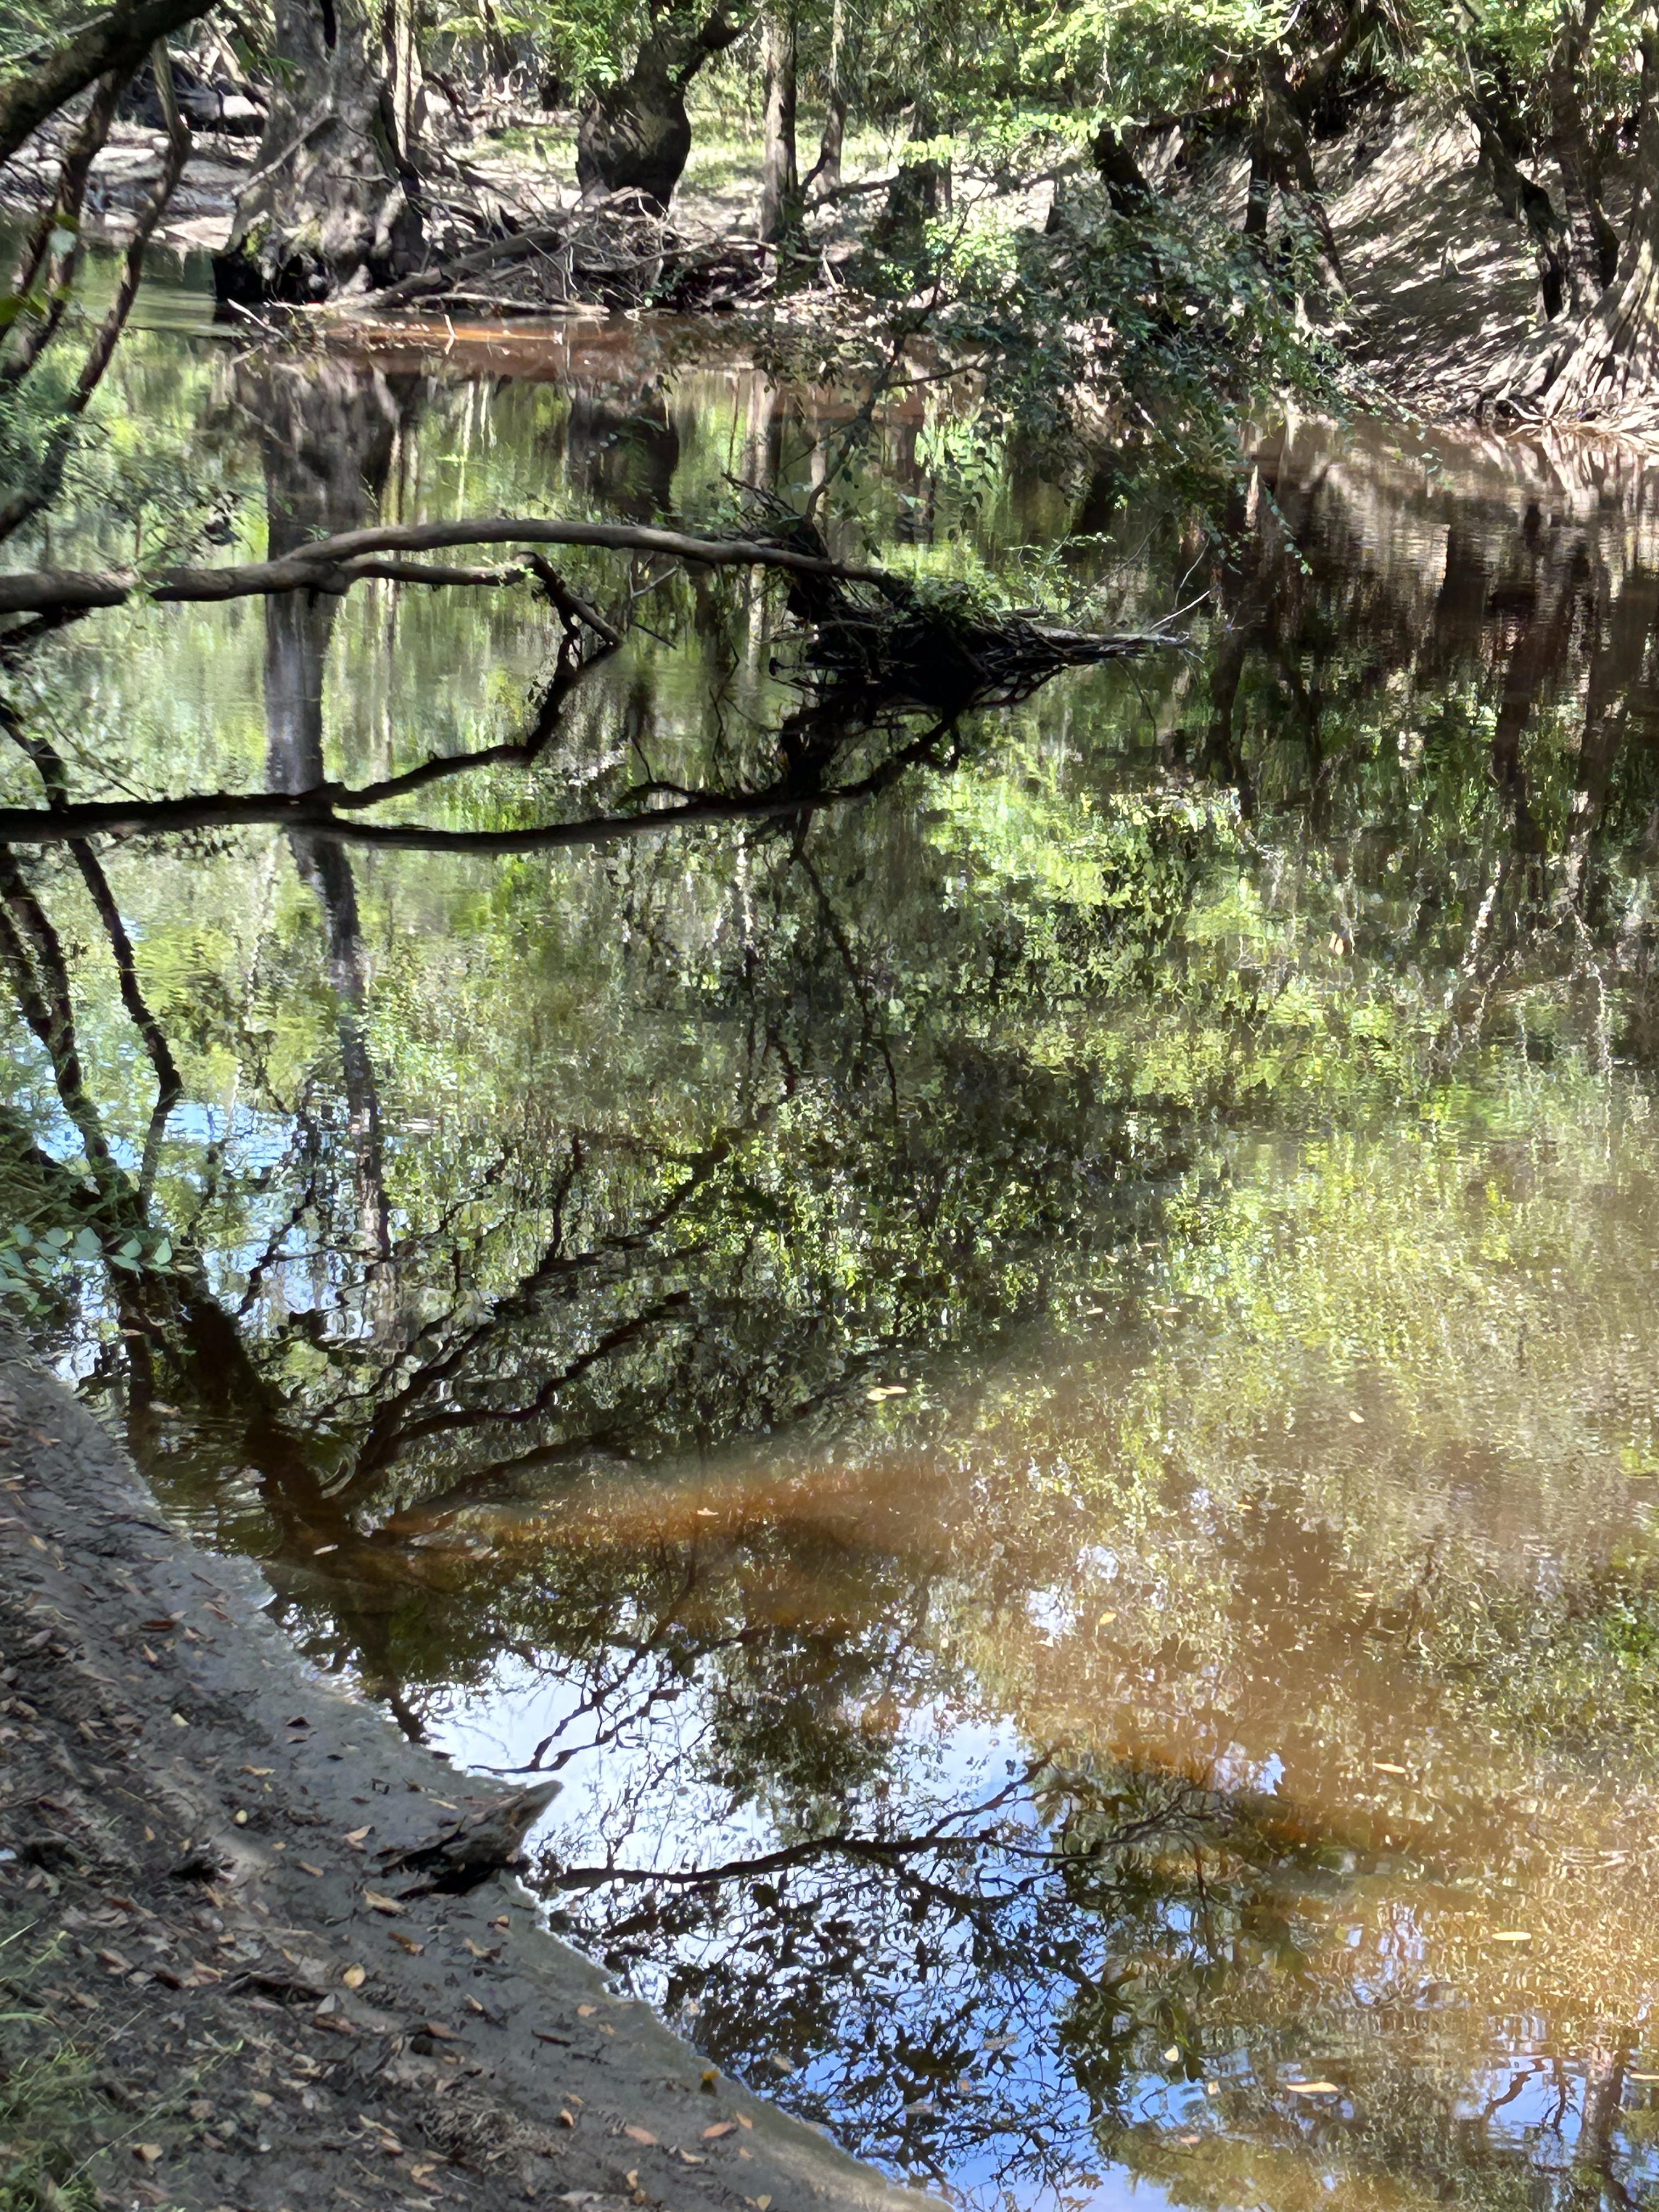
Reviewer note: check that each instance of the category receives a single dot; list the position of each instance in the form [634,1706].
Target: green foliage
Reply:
[1148,340]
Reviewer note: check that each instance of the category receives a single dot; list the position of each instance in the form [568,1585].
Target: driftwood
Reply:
[616,252]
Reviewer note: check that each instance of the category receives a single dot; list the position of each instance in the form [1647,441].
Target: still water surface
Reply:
[1042,1391]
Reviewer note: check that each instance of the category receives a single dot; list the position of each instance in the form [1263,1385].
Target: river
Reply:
[1039,1390]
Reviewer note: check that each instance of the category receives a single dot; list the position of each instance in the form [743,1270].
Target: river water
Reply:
[1040,1389]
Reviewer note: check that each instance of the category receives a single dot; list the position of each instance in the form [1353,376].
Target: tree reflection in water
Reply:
[1036,1387]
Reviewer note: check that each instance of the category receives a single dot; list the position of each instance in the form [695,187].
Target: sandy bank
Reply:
[190,1826]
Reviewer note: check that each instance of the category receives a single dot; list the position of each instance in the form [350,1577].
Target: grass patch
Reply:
[49,2106]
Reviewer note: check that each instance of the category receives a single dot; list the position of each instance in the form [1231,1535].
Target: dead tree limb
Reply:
[334,564]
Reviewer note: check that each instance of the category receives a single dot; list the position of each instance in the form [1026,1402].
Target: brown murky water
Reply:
[1040,1391]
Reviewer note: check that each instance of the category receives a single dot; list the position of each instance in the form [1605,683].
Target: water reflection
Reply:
[1040,1391]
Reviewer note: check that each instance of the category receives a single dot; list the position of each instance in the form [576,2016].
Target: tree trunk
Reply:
[825,172]
[328,209]
[1612,360]
[404,79]
[635,136]
[920,191]
[780,200]
[1591,253]
[1279,158]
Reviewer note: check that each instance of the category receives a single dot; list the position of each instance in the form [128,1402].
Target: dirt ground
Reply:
[212,1990]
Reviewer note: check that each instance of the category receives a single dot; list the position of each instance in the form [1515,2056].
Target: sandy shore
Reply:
[258,2014]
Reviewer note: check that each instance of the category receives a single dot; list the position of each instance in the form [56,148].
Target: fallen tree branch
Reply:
[334,564]
[117,40]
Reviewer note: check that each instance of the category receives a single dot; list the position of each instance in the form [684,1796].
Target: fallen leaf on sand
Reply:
[148,2152]
[692,2158]
[355,1977]
[586,2011]
[743,2121]
[306,1866]
[444,2034]
[478,1950]
[639,2135]
[408,1943]
[376,1903]
[567,2119]
[720,2128]
[355,1838]
[256,1770]
[1385,1766]
[472,2005]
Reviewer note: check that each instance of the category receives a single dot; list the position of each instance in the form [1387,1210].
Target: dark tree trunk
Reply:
[329,208]
[1502,141]
[635,137]
[780,198]
[1280,156]
[1118,170]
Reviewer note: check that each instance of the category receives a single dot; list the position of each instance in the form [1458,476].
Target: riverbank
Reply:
[218,1994]
[1441,285]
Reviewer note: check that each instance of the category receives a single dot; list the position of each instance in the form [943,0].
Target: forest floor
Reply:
[1441,284]
[215,1996]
